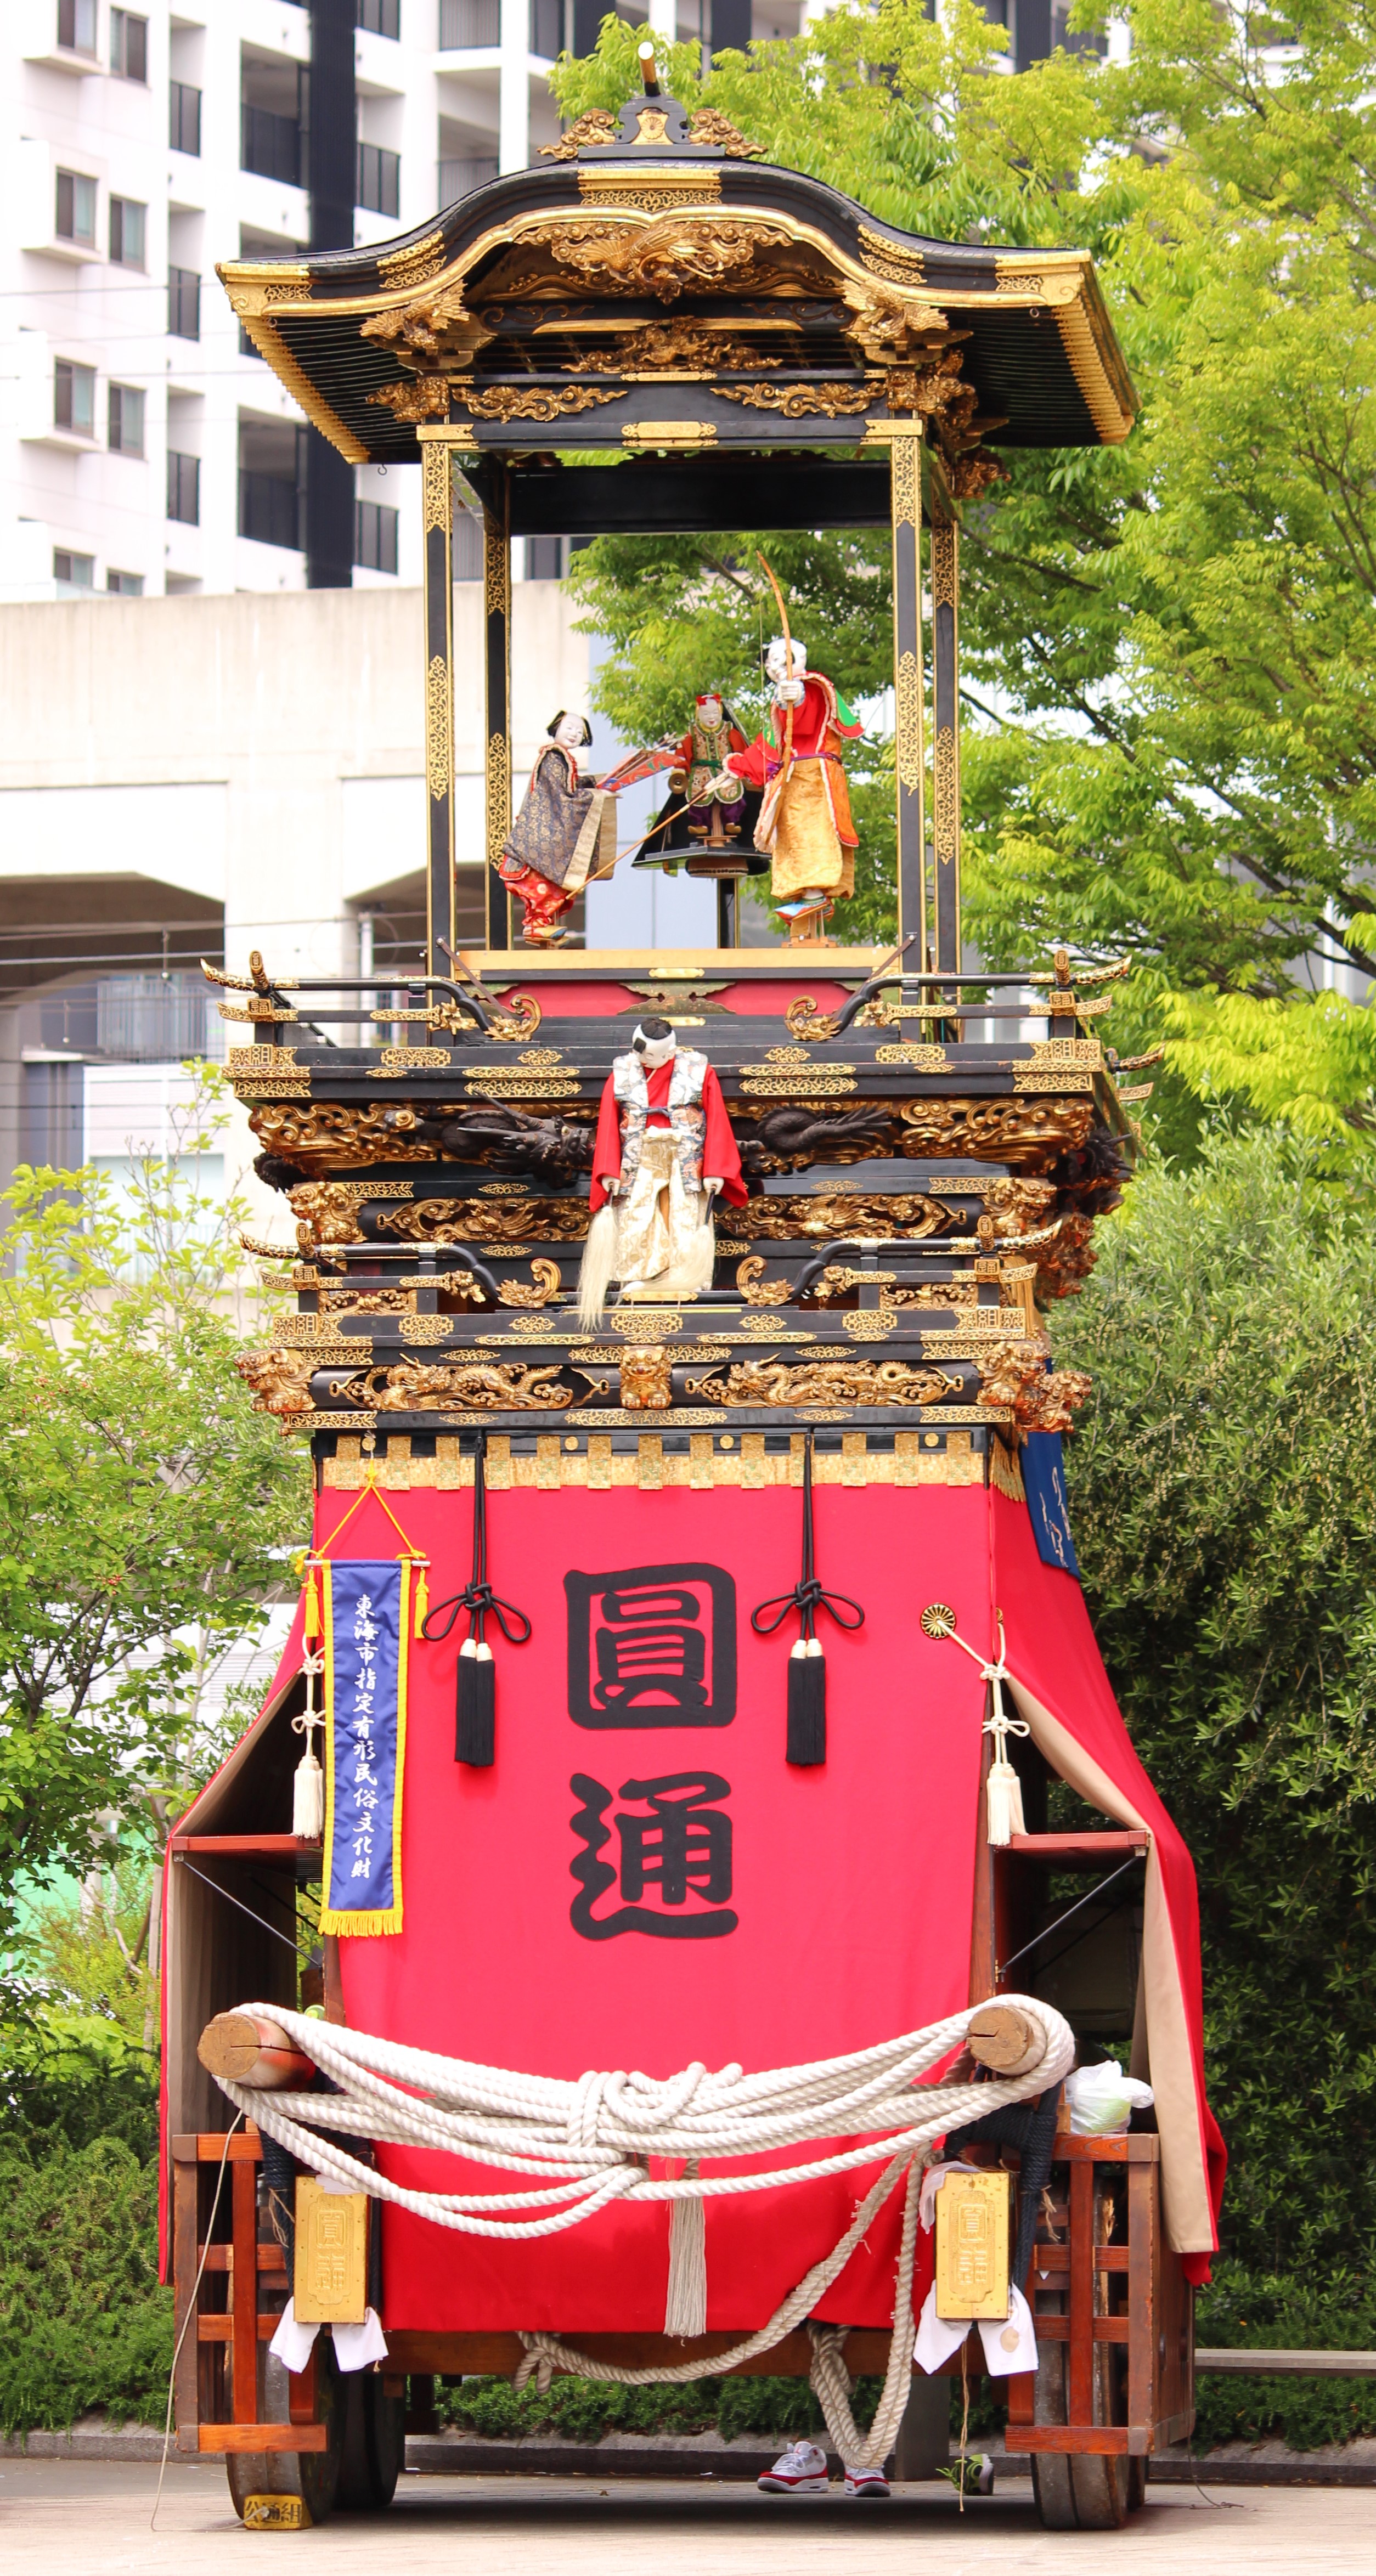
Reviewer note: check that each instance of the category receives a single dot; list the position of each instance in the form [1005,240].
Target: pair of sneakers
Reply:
[803,2471]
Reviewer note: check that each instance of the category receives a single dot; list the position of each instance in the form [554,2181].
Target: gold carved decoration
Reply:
[1078,1051]
[924,1059]
[944,563]
[544,1291]
[324,1135]
[996,1131]
[1014,1375]
[496,570]
[498,795]
[676,344]
[393,1060]
[436,504]
[708,126]
[904,467]
[481,1386]
[669,192]
[520,1019]
[665,256]
[945,794]
[646,1378]
[598,125]
[972,2247]
[907,690]
[796,402]
[887,324]
[330,2279]
[530,402]
[846,1213]
[651,126]
[832,1381]
[330,1208]
[1033,1077]
[891,259]
[804,1020]
[813,1078]
[438,744]
[242,1061]
[412,267]
[495,1221]
[434,333]
[279,1381]
[750,1282]
[414,397]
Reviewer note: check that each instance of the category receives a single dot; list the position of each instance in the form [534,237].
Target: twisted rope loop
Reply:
[477,1596]
[591,2142]
[808,1595]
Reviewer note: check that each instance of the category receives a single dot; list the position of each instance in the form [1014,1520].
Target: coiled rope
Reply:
[595,2137]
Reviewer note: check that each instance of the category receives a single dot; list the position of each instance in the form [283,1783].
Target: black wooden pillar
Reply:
[946,745]
[331,155]
[437,521]
[497,667]
[905,454]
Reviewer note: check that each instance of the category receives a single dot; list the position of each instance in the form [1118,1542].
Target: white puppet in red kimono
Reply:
[805,823]
[664,1152]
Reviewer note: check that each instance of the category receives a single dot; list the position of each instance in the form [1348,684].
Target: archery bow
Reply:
[769,809]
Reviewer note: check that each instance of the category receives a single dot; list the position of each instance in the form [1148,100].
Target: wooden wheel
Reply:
[374,2444]
[311,2475]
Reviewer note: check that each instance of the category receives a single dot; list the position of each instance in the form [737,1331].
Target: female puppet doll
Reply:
[664,1151]
[564,825]
[805,822]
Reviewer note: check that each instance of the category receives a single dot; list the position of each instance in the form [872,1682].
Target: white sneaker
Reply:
[866,2482]
[801,2471]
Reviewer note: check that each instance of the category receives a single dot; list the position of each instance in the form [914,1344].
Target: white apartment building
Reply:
[145,448]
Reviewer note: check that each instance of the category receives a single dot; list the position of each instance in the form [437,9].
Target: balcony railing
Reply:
[184,118]
[456,178]
[270,145]
[377,186]
[467,24]
[271,510]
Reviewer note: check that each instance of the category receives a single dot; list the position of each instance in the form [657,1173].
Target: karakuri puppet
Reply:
[664,1151]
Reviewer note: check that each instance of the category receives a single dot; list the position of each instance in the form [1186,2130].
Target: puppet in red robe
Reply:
[664,1150]
[805,824]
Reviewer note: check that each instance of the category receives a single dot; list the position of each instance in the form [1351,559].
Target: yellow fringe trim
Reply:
[363,1927]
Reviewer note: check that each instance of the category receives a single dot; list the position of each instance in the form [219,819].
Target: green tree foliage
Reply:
[143,1505]
[83,2322]
[1169,647]
[1223,1486]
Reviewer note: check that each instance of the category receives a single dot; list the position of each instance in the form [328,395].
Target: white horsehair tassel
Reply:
[685,2308]
[1003,1788]
[308,1783]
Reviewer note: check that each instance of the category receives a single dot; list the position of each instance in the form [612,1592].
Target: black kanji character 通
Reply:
[678,1846]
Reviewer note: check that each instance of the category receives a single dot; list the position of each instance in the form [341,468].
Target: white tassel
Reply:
[308,1800]
[685,2308]
[1005,1802]
[598,1267]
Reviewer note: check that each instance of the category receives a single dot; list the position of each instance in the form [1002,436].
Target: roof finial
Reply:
[648,73]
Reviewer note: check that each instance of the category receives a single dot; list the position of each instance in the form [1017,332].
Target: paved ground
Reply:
[58,2519]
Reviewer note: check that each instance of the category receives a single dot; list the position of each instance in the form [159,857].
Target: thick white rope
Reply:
[596,2136]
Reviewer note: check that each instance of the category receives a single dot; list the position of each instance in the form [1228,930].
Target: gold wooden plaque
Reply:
[331,2282]
[971,2246]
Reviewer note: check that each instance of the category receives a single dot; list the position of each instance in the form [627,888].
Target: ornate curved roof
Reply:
[654,287]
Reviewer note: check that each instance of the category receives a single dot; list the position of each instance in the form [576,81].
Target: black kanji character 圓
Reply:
[680,1848]
[652,1646]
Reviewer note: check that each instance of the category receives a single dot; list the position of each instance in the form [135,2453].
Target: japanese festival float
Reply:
[692,1634]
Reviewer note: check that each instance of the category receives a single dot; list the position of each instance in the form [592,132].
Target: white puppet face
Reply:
[570,733]
[776,660]
[654,1051]
[709,709]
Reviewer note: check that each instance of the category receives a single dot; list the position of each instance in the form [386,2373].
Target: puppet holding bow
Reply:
[664,1151]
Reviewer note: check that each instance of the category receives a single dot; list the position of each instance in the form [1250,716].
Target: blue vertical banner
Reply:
[1043,1476]
[367,1624]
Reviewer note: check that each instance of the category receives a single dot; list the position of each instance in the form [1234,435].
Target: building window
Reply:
[544,558]
[380,17]
[466,24]
[76,207]
[74,398]
[468,546]
[378,183]
[184,488]
[457,177]
[270,145]
[184,118]
[128,225]
[375,536]
[126,585]
[126,420]
[272,483]
[76,26]
[128,45]
[547,28]
[73,572]
[183,304]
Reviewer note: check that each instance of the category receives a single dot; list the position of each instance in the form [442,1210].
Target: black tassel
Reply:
[475,1739]
[806,1741]
[807,1704]
[475,1732]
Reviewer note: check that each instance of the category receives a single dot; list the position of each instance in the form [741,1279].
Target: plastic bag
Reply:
[1102,2099]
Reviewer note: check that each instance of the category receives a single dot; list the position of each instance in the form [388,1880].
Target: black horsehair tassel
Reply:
[806,1744]
[475,1737]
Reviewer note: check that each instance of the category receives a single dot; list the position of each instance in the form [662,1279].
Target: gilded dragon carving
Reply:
[492,1386]
[839,1381]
